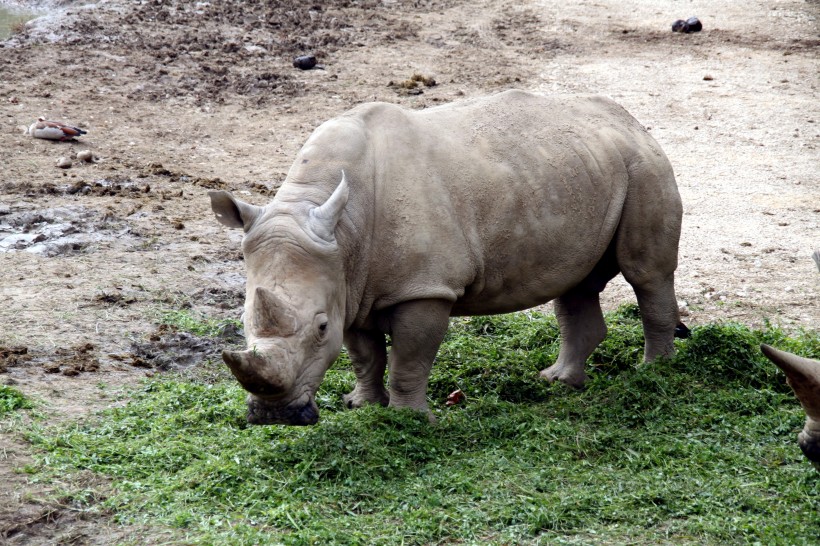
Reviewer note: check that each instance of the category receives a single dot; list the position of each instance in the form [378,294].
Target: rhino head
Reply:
[803,375]
[294,304]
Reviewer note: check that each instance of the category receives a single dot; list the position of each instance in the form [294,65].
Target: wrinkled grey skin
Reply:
[803,375]
[485,206]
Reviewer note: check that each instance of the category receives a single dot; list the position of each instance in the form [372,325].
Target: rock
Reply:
[680,26]
[85,155]
[305,62]
[64,163]
[694,24]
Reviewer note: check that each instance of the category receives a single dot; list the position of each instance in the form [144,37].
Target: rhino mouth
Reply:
[268,412]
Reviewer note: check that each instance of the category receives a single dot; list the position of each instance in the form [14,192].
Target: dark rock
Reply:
[694,24]
[680,26]
[305,62]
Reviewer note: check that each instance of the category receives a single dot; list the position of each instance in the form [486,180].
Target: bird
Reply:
[54,130]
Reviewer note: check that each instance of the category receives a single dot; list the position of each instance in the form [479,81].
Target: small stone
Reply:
[694,24]
[680,26]
[85,155]
[64,163]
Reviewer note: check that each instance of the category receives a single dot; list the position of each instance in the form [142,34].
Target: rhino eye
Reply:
[320,323]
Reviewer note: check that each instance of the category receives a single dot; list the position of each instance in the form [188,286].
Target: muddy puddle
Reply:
[56,231]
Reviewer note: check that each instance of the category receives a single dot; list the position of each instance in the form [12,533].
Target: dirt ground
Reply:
[182,97]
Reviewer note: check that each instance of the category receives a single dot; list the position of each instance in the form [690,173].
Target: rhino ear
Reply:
[232,212]
[323,219]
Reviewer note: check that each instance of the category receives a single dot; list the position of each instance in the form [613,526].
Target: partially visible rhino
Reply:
[484,206]
[803,375]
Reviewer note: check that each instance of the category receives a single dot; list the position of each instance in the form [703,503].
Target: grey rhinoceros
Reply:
[390,221]
[803,375]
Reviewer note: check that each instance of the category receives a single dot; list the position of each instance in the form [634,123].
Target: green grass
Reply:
[11,399]
[193,323]
[700,448]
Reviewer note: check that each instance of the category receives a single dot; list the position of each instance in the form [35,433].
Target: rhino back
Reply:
[495,204]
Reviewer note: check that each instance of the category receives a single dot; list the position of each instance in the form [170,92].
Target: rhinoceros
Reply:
[803,375]
[390,221]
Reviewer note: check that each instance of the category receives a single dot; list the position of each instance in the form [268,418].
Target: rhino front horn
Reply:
[258,373]
[803,375]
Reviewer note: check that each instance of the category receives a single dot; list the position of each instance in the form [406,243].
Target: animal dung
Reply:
[305,62]
[692,24]
[412,86]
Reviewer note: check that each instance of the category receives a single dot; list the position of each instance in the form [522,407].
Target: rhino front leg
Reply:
[368,354]
[582,328]
[417,329]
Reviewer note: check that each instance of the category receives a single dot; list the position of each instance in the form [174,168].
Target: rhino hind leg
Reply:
[659,315]
[368,355]
[582,327]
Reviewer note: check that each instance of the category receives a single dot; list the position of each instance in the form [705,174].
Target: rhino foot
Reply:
[571,375]
[359,397]
[810,445]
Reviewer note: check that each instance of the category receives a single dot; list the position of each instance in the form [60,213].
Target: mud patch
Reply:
[223,298]
[167,349]
[57,231]
[58,521]
[114,299]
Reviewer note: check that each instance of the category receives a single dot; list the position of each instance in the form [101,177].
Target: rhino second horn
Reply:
[256,373]
[803,375]
[323,219]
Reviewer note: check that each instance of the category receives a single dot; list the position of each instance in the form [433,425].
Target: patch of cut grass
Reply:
[11,399]
[700,448]
[186,321]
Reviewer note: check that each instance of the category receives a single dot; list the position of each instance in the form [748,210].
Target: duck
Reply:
[54,130]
